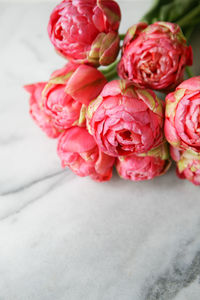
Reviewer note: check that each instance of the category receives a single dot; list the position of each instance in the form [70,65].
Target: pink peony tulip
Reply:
[188,164]
[125,120]
[36,111]
[78,151]
[155,163]
[182,123]
[68,93]
[154,56]
[86,31]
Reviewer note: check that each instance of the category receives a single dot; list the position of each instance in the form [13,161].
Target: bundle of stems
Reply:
[186,13]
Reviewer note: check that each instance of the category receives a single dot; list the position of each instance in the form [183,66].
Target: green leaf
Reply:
[186,13]
[153,13]
[181,8]
[165,11]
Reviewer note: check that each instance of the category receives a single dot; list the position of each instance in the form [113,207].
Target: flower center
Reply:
[59,33]
[126,135]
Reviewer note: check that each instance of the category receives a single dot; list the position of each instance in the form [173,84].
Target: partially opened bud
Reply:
[36,111]
[85,84]
[78,150]
[145,166]
[104,49]
[86,31]
[68,93]
[188,164]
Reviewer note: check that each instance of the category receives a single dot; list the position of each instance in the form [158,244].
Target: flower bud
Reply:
[182,122]
[104,49]
[78,150]
[125,120]
[86,31]
[155,56]
[144,166]
[188,164]
[68,93]
[36,111]
[85,84]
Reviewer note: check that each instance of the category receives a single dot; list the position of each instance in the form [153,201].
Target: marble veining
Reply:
[68,238]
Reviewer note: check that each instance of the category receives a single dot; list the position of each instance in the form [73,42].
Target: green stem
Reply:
[189,17]
[113,74]
[122,36]
[110,68]
[189,32]
[189,72]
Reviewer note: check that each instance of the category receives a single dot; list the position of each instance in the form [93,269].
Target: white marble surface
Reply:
[69,238]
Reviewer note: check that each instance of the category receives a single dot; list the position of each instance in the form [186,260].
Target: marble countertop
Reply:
[68,238]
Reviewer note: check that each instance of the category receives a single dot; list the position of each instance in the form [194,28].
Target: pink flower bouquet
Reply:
[102,121]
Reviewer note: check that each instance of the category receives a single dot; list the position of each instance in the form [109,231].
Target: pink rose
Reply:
[86,31]
[69,91]
[78,151]
[154,163]
[36,111]
[188,164]
[125,120]
[155,56]
[182,122]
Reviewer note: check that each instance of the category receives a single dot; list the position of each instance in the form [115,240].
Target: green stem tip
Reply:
[122,36]
[189,72]
[110,68]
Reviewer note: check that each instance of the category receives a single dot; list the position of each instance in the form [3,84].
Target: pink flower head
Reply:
[154,56]
[188,164]
[154,163]
[125,120]
[69,91]
[36,111]
[78,151]
[182,122]
[86,31]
